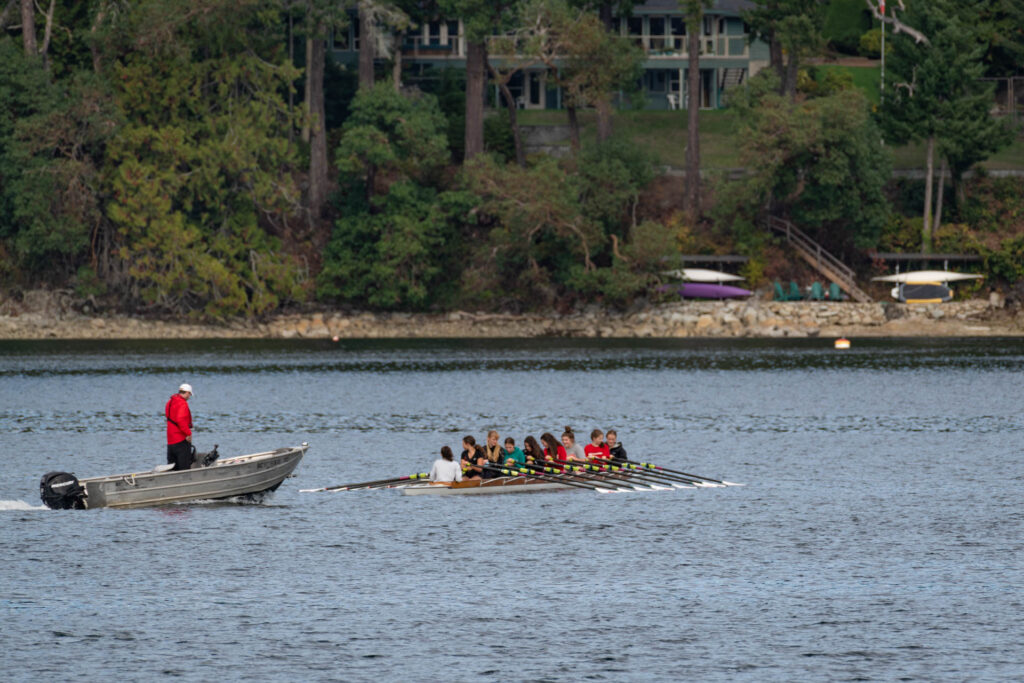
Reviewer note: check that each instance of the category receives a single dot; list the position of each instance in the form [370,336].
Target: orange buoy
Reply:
[842,343]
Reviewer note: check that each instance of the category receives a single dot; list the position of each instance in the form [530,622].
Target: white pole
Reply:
[881,92]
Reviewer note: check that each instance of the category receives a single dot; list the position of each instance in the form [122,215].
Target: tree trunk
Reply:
[926,226]
[47,34]
[693,127]
[574,128]
[604,119]
[604,13]
[367,47]
[11,4]
[93,47]
[318,132]
[396,66]
[476,60]
[776,62]
[28,27]
[307,103]
[513,120]
[939,192]
[789,84]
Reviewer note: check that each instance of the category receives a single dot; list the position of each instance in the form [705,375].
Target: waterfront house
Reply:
[728,56]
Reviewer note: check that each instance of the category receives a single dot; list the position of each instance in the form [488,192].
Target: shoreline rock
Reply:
[698,319]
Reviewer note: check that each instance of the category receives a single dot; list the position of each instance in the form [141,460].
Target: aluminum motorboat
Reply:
[209,478]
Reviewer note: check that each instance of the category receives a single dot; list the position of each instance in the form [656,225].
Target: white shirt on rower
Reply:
[446,471]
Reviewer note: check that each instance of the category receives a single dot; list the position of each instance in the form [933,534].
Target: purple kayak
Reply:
[705,290]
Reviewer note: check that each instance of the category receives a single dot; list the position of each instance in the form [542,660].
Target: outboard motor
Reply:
[61,491]
[204,459]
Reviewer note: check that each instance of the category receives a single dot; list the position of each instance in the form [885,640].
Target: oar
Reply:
[652,466]
[605,482]
[557,478]
[646,476]
[625,479]
[366,484]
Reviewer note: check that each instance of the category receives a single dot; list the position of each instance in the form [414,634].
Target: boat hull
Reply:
[244,475]
[485,487]
[702,290]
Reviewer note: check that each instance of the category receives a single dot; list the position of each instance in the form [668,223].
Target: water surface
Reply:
[879,535]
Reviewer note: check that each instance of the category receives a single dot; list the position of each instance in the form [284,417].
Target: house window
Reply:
[707,26]
[656,26]
[678,27]
[721,26]
[635,27]
[453,34]
[656,80]
[355,35]
[616,26]
[434,33]
[341,39]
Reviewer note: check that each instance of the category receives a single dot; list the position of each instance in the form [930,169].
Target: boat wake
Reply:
[19,505]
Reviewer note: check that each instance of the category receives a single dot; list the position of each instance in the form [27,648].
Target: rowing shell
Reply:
[472,487]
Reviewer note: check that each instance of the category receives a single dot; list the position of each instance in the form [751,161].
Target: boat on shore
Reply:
[248,476]
[473,487]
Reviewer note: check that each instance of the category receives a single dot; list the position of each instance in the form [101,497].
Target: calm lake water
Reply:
[878,537]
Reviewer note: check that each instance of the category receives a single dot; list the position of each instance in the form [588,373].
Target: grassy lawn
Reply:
[867,78]
[663,134]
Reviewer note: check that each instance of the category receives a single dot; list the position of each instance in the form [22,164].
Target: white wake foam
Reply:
[19,505]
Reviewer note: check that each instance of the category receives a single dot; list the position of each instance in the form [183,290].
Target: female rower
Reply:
[513,456]
[532,450]
[494,452]
[472,459]
[615,448]
[552,450]
[596,449]
[572,449]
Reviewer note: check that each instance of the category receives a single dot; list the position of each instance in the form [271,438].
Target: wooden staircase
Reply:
[822,261]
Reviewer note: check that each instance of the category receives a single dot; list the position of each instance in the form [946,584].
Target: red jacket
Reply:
[601,451]
[179,419]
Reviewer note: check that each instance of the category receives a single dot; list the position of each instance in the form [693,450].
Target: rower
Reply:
[513,456]
[615,448]
[445,469]
[573,450]
[472,458]
[597,449]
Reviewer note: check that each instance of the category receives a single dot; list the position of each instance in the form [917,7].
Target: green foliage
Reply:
[50,137]
[204,155]
[817,162]
[392,248]
[870,44]
[563,228]
[845,23]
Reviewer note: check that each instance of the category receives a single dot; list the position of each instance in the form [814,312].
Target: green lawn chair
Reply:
[834,293]
[779,294]
[794,292]
[817,293]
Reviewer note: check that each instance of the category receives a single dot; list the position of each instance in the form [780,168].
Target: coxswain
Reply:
[179,429]
[445,469]
[597,449]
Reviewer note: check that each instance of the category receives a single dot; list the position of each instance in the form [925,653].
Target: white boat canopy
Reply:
[701,275]
[920,277]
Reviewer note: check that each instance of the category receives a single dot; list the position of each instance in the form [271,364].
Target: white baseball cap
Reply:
[186,387]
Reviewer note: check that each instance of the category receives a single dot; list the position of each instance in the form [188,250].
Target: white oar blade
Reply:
[732,483]
[684,486]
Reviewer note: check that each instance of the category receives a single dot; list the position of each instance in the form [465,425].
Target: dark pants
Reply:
[180,455]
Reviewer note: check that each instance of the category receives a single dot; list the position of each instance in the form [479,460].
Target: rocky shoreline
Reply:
[701,319]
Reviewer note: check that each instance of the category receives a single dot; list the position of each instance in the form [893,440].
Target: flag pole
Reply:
[881,93]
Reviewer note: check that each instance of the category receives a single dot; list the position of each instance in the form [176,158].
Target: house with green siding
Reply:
[728,56]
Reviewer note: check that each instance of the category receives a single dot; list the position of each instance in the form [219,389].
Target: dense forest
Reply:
[210,158]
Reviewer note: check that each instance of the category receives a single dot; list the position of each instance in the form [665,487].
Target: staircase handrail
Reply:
[794,234]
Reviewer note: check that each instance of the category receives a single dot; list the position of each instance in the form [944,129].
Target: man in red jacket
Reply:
[179,429]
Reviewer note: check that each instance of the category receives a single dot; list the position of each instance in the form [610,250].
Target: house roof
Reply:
[672,6]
